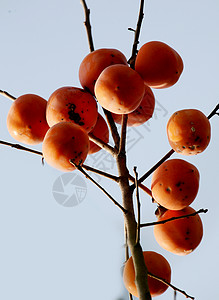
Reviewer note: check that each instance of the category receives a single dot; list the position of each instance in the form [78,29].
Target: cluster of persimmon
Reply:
[64,122]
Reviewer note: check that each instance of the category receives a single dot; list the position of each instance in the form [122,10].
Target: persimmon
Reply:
[175,184]
[181,236]
[65,141]
[95,62]
[72,104]
[158,64]
[100,131]
[157,265]
[26,120]
[142,113]
[189,131]
[119,89]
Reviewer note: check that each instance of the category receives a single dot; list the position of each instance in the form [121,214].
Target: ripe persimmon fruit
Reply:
[157,265]
[119,89]
[65,141]
[142,113]
[26,119]
[100,131]
[181,236]
[175,184]
[72,104]
[95,62]
[189,131]
[158,64]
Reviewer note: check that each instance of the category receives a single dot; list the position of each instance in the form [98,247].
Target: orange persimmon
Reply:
[142,113]
[157,265]
[119,89]
[26,120]
[158,64]
[95,62]
[189,131]
[72,104]
[65,141]
[175,184]
[179,236]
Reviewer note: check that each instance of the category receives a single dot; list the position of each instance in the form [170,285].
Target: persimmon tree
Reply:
[71,128]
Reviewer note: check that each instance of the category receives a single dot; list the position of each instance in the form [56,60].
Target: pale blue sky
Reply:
[53,252]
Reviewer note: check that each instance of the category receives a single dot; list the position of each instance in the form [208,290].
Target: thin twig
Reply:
[202,210]
[170,285]
[6,94]
[102,173]
[113,128]
[19,147]
[79,168]
[102,144]
[140,185]
[214,112]
[138,207]
[123,135]
[148,173]
[88,25]
[137,34]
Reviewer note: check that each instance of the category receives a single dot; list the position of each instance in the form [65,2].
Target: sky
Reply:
[56,247]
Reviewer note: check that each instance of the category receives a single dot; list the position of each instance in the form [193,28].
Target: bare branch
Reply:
[123,135]
[104,174]
[202,210]
[6,94]
[88,25]
[137,34]
[113,128]
[170,285]
[148,173]
[19,147]
[138,207]
[79,168]
[101,144]
[214,112]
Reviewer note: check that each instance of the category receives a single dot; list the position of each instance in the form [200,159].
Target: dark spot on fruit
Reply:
[112,55]
[73,115]
[197,138]
[184,147]
[178,183]
[191,147]
[168,190]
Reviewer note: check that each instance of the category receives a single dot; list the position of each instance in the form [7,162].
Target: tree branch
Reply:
[170,285]
[102,144]
[79,168]
[104,174]
[123,135]
[138,207]
[113,128]
[6,94]
[214,112]
[131,61]
[88,25]
[202,210]
[148,173]
[19,147]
